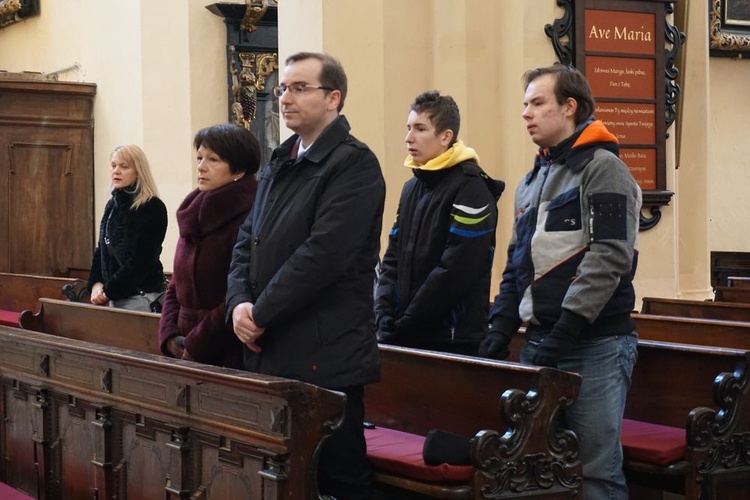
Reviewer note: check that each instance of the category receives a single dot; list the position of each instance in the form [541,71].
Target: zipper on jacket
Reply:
[538,204]
[591,217]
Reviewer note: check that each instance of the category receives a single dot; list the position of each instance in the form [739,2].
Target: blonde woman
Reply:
[126,271]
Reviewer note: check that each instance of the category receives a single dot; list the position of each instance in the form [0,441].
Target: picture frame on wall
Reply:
[729,28]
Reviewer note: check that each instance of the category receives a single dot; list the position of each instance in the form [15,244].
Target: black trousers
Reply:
[344,472]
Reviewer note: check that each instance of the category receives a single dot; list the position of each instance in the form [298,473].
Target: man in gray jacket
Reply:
[300,283]
[570,268]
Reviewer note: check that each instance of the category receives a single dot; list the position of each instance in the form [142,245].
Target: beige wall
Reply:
[729,173]
[398,49]
[160,68]
[694,156]
[475,51]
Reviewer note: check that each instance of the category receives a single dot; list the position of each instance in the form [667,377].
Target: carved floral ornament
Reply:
[8,11]
[254,13]
[9,6]
[251,79]
[722,38]
[13,11]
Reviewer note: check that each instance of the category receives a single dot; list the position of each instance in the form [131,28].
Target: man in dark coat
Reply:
[300,283]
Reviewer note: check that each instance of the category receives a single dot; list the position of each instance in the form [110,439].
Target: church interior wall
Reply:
[160,68]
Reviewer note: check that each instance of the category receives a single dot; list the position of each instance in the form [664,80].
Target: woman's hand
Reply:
[176,346]
[186,355]
[98,297]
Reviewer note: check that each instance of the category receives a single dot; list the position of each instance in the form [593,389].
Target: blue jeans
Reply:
[606,365]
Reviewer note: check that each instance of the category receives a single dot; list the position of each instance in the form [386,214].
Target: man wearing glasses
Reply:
[300,283]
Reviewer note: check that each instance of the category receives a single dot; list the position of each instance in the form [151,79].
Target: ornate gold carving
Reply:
[8,7]
[8,12]
[13,11]
[251,79]
[266,64]
[721,39]
[254,12]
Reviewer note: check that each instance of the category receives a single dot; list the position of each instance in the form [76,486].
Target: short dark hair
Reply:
[441,109]
[234,144]
[569,83]
[332,73]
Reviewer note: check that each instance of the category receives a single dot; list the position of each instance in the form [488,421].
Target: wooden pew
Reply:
[407,400]
[697,331]
[739,281]
[678,391]
[732,294]
[82,420]
[705,309]
[419,367]
[19,292]
[516,448]
[134,330]
[704,391]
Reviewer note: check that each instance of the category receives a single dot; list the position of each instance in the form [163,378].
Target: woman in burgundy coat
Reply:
[192,324]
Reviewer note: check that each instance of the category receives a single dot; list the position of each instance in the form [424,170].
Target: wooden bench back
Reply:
[739,281]
[443,391]
[80,419]
[670,380]
[708,332]
[508,409]
[705,309]
[732,294]
[702,389]
[421,390]
[134,330]
[19,292]
[459,394]
[706,391]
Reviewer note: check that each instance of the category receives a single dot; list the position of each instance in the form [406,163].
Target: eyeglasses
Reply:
[296,89]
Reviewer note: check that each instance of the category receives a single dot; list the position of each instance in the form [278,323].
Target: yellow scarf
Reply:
[452,156]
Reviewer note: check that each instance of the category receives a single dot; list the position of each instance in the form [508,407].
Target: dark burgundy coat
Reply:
[194,302]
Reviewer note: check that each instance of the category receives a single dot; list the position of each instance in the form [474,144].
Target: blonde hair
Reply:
[145,187]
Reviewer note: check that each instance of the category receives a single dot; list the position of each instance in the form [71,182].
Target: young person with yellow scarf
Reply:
[433,290]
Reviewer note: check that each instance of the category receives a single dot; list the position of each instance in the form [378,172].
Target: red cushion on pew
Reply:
[9,318]
[8,493]
[401,453]
[653,443]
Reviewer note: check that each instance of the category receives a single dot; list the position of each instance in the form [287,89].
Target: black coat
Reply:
[435,275]
[130,263]
[305,257]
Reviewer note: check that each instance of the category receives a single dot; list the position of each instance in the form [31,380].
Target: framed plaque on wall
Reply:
[627,50]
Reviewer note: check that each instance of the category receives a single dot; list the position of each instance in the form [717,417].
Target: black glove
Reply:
[494,346]
[406,332]
[495,343]
[387,330]
[558,342]
[386,323]
[388,337]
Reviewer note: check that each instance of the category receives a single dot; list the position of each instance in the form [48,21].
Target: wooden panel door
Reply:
[46,176]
